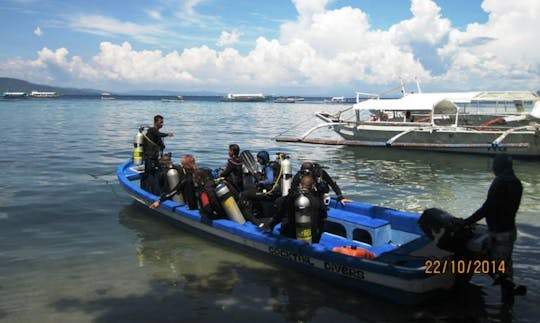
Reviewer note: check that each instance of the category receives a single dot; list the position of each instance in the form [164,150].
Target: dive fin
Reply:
[249,161]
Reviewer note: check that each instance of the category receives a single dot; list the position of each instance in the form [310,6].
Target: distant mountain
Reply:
[16,85]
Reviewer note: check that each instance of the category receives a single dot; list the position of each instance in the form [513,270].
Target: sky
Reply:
[279,47]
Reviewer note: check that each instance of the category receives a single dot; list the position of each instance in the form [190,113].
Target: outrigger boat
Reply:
[467,122]
[386,249]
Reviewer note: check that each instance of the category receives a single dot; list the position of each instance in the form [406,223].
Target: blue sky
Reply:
[306,47]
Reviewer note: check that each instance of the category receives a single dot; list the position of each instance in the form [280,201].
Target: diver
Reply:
[323,181]
[233,171]
[153,147]
[256,198]
[266,178]
[301,212]
[499,210]
[209,204]
[184,184]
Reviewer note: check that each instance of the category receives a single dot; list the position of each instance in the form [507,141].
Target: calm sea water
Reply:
[75,248]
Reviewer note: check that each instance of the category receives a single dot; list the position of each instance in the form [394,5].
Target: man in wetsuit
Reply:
[287,206]
[233,171]
[153,149]
[185,185]
[323,181]
[499,210]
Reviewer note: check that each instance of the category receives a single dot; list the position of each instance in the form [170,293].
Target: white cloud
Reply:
[321,51]
[154,14]
[106,26]
[504,50]
[227,38]
[38,31]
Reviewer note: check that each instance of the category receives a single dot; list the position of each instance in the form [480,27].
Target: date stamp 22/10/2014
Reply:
[464,266]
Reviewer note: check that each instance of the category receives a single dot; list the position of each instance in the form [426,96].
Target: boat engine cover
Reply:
[446,230]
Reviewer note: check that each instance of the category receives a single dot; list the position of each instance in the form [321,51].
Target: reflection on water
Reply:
[193,279]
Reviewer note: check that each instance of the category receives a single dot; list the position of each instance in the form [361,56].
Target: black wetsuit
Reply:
[323,182]
[185,186]
[153,146]
[499,209]
[503,199]
[286,210]
[233,173]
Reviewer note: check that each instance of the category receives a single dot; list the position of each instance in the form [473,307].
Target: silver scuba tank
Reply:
[286,179]
[138,147]
[229,204]
[326,199]
[172,180]
[302,218]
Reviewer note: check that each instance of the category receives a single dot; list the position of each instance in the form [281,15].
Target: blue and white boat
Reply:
[398,272]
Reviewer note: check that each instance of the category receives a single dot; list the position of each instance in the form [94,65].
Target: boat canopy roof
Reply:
[436,102]
[444,102]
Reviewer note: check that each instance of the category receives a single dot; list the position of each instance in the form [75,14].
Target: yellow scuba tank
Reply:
[302,218]
[229,204]
[138,147]
[286,179]
[172,181]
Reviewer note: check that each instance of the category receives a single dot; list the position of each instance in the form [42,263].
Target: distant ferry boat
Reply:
[179,99]
[14,95]
[106,96]
[231,97]
[336,99]
[40,94]
[288,99]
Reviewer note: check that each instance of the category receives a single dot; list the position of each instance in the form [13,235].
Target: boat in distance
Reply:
[178,99]
[282,99]
[399,247]
[44,94]
[14,95]
[484,123]
[107,96]
[239,97]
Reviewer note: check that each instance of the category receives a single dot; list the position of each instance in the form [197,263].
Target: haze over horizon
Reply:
[307,47]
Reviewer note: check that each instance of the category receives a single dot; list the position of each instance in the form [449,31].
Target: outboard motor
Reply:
[172,181]
[302,218]
[447,231]
[286,179]
[138,147]
[229,204]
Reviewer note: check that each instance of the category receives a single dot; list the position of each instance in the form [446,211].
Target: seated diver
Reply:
[207,198]
[323,181]
[266,189]
[233,171]
[301,212]
[180,183]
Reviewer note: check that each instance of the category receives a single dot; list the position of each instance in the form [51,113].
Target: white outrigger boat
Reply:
[466,122]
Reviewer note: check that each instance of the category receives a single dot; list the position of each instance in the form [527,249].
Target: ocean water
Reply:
[75,248]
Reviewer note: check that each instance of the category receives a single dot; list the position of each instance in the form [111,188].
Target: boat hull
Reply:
[447,139]
[404,283]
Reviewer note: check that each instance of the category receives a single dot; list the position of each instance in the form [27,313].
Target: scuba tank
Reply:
[286,179]
[138,147]
[172,181]
[302,218]
[229,204]
[326,199]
